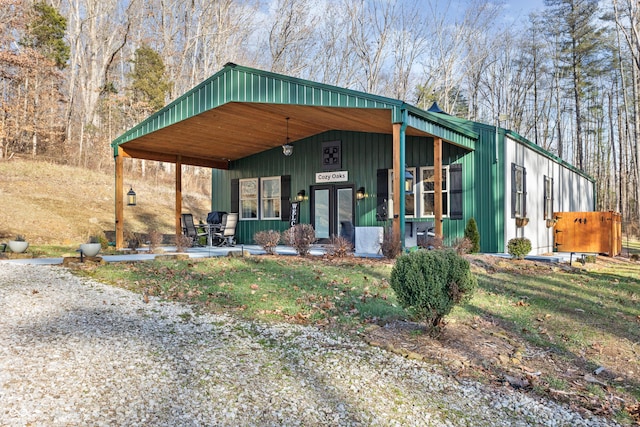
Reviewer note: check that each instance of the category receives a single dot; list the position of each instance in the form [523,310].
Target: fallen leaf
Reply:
[516,382]
[254,286]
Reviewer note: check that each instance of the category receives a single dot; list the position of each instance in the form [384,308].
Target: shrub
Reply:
[182,242]
[301,237]
[340,246]
[471,233]
[99,237]
[391,245]
[268,240]
[155,240]
[429,283]
[518,247]
[462,246]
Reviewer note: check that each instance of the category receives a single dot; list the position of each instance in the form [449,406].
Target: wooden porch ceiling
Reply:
[236,130]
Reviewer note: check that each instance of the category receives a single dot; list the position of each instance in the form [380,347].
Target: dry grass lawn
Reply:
[62,205]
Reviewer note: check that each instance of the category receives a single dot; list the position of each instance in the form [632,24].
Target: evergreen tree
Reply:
[45,34]
[573,23]
[149,83]
[471,233]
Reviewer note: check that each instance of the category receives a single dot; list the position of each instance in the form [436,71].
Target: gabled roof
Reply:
[240,111]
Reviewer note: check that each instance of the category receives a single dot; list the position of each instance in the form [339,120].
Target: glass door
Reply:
[331,210]
[321,212]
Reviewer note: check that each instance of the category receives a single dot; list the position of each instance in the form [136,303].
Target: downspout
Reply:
[403,167]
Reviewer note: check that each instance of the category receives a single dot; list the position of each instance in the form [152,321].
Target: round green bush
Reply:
[519,247]
[429,283]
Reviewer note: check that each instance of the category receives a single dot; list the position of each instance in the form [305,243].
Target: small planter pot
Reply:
[90,249]
[521,222]
[18,246]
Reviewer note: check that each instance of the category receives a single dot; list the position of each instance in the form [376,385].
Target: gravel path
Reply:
[75,352]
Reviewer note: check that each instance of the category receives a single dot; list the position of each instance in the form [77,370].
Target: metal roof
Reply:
[240,111]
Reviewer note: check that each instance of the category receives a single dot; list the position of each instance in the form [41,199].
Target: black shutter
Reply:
[235,195]
[514,192]
[382,195]
[552,201]
[545,214]
[524,192]
[455,191]
[285,197]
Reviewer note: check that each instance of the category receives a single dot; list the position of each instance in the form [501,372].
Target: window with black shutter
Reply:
[518,191]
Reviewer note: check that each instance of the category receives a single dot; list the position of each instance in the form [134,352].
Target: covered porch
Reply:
[240,111]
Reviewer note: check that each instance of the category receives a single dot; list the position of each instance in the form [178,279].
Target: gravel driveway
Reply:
[76,352]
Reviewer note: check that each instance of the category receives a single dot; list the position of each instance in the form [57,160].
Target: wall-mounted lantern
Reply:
[361,193]
[131,197]
[301,196]
[408,181]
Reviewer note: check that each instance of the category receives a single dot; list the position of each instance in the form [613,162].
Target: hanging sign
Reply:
[336,176]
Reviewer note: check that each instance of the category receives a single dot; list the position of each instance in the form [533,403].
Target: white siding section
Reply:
[571,193]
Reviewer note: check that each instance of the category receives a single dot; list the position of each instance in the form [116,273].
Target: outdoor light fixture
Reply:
[287,149]
[302,196]
[131,197]
[408,181]
[361,194]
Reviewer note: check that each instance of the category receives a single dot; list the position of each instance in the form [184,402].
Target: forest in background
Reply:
[75,74]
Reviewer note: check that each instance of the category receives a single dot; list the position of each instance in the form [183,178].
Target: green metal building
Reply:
[285,150]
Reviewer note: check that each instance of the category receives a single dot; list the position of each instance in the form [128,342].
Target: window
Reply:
[270,197]
[548,197]
[410,198]
[428,191]
[249,198]
[518,191]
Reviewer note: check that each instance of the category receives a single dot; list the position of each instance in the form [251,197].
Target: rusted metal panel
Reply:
[592,232]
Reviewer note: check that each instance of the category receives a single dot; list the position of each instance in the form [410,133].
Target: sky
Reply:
[520,9]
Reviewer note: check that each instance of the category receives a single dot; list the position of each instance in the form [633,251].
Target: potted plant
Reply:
[19,244]
[92,247]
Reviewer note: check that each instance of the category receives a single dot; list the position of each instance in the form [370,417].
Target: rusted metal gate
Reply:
[593,232]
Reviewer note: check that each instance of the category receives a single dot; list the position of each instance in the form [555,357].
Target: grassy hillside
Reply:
[56,204]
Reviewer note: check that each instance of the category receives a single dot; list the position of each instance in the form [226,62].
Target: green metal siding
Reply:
[362,155]
[488,190]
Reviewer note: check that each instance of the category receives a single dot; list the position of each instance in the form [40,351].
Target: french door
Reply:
[331,208]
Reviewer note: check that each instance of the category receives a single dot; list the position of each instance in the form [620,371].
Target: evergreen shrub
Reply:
[471,232]
[429,283]
[519,247]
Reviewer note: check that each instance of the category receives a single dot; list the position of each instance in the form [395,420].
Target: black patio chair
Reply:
[189,229]
[226,236]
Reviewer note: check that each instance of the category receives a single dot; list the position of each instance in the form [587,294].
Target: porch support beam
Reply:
[399,167]
[437,178]
[173,158]
[398,189]
[178,211]
[119,196]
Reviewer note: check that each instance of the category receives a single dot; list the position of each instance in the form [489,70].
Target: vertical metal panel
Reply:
[362,155]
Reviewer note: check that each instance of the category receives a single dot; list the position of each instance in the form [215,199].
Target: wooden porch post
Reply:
[119,201]
[178,196]
[437,178]
[398,177]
